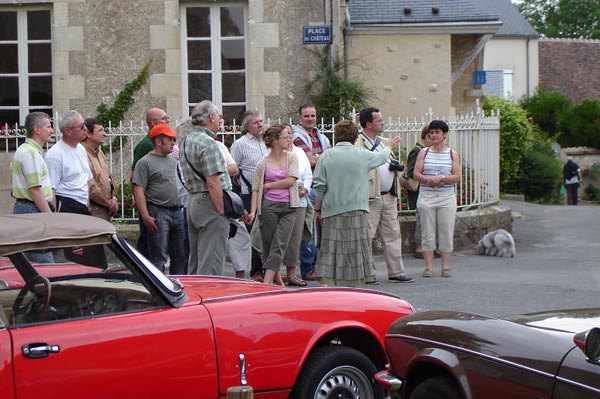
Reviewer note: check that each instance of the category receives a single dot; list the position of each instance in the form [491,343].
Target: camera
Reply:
[396,166]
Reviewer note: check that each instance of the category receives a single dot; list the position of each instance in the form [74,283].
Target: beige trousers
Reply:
[383,218]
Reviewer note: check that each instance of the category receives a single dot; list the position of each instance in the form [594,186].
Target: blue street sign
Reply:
[479,77]
[317,34]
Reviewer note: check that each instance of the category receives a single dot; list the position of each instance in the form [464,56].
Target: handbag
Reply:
[232,204]
[233,207]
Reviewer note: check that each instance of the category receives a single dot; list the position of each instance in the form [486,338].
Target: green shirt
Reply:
[341,178]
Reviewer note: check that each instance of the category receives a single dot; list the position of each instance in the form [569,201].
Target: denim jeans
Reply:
[167,242]
[308,250]
[22,207]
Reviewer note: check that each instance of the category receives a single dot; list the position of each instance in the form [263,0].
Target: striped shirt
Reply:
[246,152]
[29,170]
[435,164]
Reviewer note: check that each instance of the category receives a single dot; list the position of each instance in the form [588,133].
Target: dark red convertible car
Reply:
[99,321]
[456,355]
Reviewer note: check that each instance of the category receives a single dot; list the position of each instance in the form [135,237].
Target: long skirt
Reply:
[345,252]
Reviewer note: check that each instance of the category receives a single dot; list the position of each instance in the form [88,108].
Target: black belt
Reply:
[168,208]
[26,201]
[384,192]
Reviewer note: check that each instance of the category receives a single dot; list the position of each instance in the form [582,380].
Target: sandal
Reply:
[296,282]
[446,272]
[310,276]
[427,273]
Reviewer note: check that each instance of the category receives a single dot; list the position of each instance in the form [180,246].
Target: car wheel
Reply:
[336,372]
[440,387]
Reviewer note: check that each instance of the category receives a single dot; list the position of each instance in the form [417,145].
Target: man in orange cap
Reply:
[155,192]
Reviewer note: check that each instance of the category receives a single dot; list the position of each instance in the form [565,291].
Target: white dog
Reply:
[497,243]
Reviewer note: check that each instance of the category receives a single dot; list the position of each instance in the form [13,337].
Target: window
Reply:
[25,63]
[214,56]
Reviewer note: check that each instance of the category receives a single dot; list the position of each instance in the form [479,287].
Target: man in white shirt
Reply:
[69,167]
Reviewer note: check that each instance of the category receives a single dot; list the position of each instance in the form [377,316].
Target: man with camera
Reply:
[384,190]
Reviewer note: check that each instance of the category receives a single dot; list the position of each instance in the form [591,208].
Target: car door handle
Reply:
[38,350]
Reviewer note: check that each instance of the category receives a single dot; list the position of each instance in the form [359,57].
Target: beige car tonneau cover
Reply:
[51,230]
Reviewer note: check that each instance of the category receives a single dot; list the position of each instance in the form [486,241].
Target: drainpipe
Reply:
[528,69]
[347,29]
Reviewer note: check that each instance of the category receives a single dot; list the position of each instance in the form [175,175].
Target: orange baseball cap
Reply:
[163,128]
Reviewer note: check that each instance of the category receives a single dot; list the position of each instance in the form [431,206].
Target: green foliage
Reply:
[124,99]
[576,19]
[591,193]
[541,174]
[125,198]
[580,125]
[333,95]
[516,137]
[592,172]
[545,108]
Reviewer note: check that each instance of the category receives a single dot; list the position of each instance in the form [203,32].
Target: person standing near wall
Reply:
[69,166]
[314,143]
[103,200]
[412,186]
[572,179]
[341,182]
[246,152]
[275,199]
[154,116]
[438,170]
[208,227]
[384,190]
[31,185]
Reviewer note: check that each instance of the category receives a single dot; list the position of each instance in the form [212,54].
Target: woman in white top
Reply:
[437,169]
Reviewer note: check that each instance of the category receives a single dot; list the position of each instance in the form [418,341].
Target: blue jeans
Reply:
[308,250]
[22,207]
[167,242]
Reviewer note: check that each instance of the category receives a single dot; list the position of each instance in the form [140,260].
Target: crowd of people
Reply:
[310,208]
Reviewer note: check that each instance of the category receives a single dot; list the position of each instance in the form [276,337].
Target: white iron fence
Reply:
[475,137]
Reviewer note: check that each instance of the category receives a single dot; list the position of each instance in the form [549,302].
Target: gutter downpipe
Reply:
[347,29]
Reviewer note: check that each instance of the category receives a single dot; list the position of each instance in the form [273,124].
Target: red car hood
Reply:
[209,287]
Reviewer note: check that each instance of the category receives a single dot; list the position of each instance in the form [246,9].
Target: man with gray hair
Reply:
[69,166]
[31,186]
[205,174]
[246,152]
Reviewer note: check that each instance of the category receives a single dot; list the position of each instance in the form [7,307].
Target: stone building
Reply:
[78,54]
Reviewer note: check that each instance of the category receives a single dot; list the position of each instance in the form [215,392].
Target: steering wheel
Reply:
[36,310]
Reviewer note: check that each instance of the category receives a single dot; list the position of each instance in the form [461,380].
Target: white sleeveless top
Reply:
[435,164]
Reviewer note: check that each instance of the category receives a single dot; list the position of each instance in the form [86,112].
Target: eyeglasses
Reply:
[78,127]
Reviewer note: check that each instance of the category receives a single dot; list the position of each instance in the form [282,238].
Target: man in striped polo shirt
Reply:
[31,185]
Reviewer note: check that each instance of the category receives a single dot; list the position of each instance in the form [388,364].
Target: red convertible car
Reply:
[99,321]
[457,355]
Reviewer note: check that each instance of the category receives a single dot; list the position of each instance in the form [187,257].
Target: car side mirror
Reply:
[589,343]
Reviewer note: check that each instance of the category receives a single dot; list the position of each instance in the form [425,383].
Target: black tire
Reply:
[337,372]
[440,387]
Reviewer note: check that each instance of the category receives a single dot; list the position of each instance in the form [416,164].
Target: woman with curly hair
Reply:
[275,199]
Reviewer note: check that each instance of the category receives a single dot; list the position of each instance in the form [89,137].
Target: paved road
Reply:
[557,265]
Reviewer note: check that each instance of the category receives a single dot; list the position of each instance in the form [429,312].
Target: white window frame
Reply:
[215,48]
[507,84]
[23,74]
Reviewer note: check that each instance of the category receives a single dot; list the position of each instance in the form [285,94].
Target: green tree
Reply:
[516,136]
[580,125]
[545,109]
[333,95]
[541,173]
[576,19]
